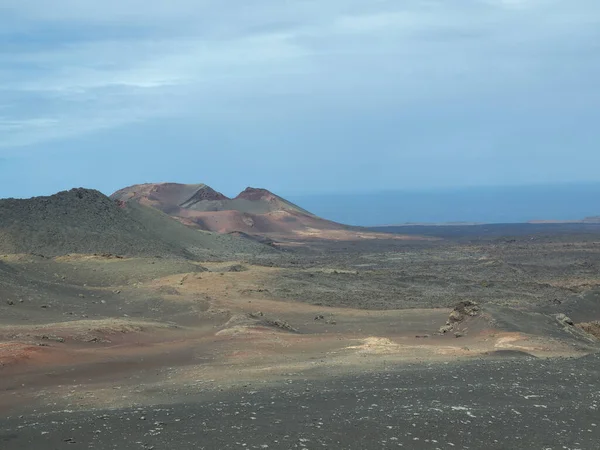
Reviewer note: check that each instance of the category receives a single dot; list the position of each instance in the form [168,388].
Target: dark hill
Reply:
[86,221]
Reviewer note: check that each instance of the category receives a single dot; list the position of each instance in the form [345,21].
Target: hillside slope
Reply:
[86,221]
[252,211]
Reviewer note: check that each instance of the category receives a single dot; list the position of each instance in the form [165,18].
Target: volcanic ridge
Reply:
[253,211]
[86,221]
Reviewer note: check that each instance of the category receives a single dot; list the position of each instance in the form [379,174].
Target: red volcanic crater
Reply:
[253,211]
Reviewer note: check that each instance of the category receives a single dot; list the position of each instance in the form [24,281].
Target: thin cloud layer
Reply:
[72,68]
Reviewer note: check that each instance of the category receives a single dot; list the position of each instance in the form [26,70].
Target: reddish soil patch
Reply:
[592,328]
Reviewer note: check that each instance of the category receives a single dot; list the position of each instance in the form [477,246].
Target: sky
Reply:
[298,96]
[483,204]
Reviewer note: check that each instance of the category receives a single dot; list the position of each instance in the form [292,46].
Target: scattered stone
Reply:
[446,328]
[237,268]
[458,334]
[52,338]
[319,317]
[422,336]
[461,312]
[108,255]
[98,340]
[455,316]
[10,302]
[282,324]
[564,320]
[464,309]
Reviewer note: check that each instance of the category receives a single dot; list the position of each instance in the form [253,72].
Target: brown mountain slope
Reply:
[86,221]
[252,211]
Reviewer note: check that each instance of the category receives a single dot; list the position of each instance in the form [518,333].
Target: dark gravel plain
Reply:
[510,401]
[504,401]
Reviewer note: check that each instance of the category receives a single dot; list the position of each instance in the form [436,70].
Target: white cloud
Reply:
[85,66]
[7,125]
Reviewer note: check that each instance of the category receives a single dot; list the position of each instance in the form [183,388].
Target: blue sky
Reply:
[300,97]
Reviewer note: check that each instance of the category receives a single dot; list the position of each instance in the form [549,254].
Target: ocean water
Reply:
[483,204]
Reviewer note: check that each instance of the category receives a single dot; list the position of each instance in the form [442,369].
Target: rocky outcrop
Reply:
[462,311]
